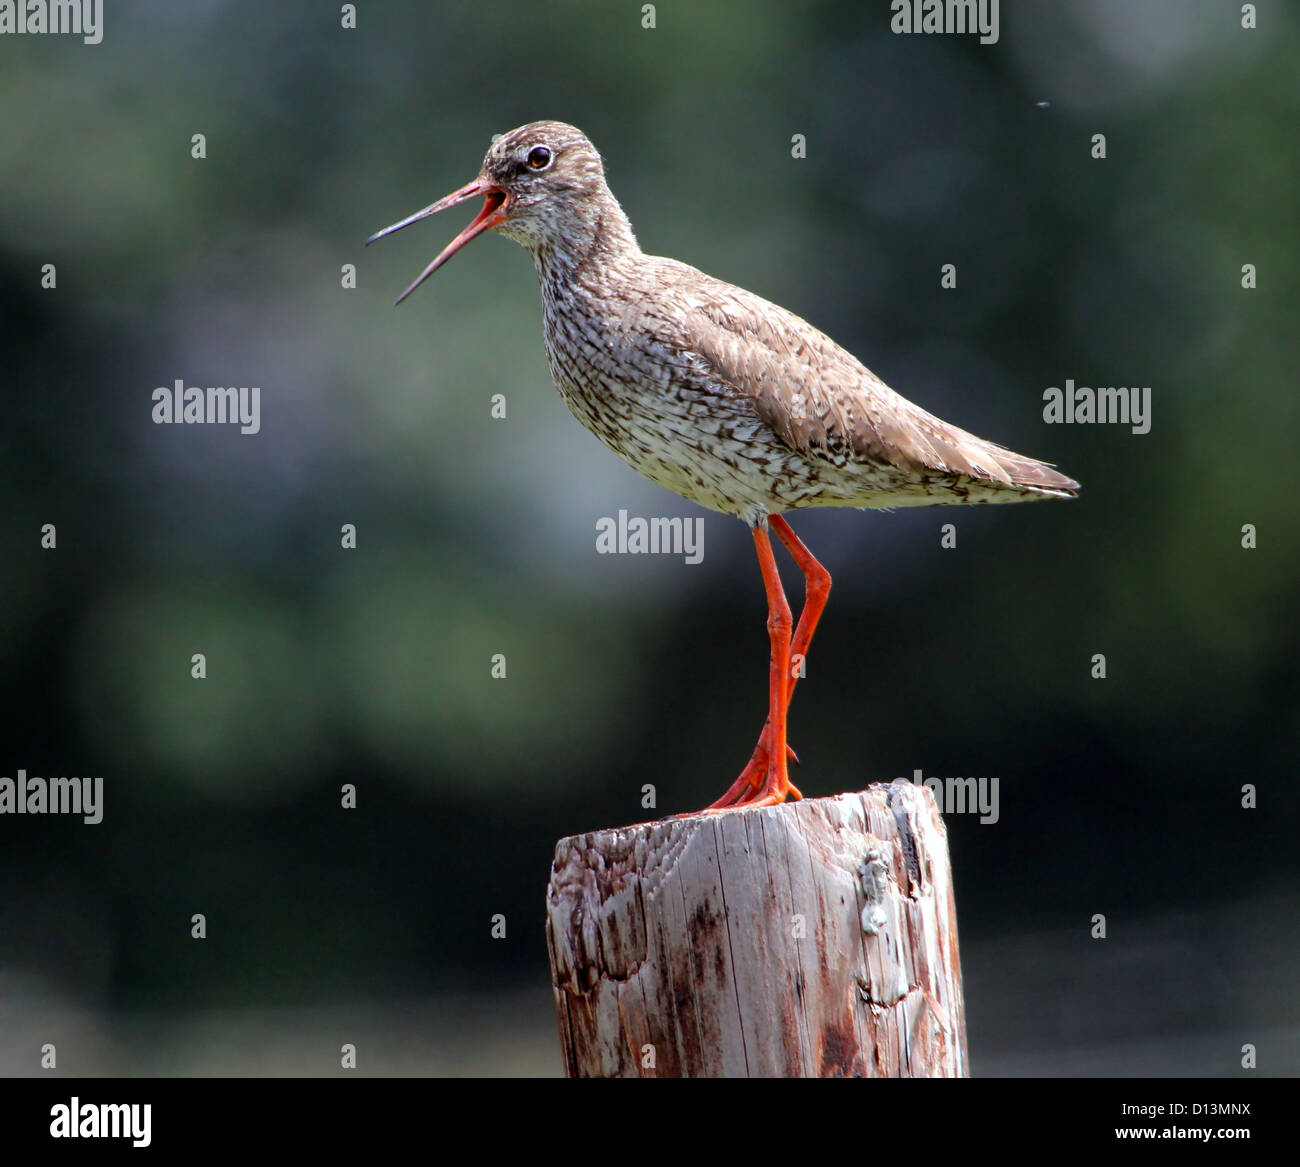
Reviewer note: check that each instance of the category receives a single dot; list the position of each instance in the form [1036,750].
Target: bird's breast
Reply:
[656,406]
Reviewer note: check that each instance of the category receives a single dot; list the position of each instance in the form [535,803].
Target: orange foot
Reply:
[760,784]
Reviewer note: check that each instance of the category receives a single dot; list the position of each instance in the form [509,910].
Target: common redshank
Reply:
[717,394]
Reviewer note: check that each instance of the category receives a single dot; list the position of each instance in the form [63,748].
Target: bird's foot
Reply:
[760,784]
[776,798]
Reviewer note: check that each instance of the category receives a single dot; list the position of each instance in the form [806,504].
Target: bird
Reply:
[717,394]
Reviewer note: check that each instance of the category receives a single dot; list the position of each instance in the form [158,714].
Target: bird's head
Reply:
[543,185]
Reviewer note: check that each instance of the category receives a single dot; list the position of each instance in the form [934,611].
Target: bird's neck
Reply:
[596,239]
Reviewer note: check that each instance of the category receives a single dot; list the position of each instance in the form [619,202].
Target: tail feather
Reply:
[945,447]
[1035,475]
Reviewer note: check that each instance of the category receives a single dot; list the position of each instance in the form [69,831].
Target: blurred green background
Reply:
[477,536]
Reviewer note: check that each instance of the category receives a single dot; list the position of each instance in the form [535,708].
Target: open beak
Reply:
[492,215]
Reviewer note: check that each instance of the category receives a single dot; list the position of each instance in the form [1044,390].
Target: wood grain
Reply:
[813,939]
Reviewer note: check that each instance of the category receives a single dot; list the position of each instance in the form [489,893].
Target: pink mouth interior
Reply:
[492,203]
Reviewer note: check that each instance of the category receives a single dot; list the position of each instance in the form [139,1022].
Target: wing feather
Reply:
[823,402]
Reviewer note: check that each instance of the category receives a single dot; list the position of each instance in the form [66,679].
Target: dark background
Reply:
[476,536]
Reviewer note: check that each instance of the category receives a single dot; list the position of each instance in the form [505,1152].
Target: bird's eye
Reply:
[539,158]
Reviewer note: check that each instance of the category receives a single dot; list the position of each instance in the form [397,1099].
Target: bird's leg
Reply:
[776,781]
[817,590]
[768,765]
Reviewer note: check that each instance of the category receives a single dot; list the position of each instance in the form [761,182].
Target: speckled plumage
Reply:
[712,391]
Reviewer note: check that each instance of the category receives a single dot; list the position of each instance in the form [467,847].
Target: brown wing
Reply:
[822,401]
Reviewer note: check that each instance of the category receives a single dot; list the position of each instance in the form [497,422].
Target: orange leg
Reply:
[817,581]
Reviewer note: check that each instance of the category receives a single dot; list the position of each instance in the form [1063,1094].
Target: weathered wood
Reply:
[813,939]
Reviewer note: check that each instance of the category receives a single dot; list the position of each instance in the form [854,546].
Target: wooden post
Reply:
[813,939]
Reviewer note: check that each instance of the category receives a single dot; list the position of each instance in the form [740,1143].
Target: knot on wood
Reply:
[873,872]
